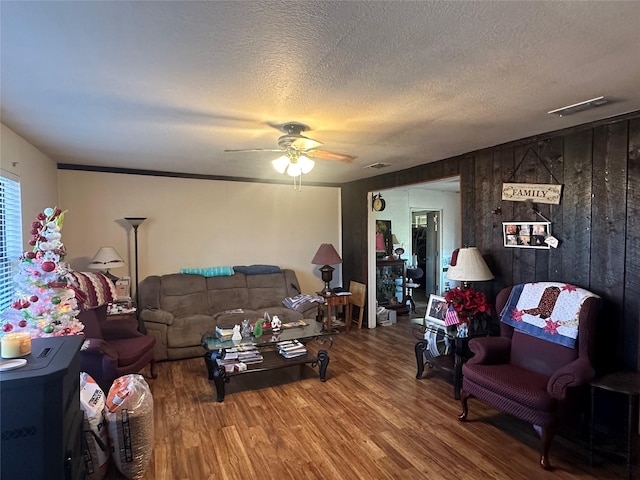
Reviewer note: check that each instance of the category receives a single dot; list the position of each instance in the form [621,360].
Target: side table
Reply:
[332,302]
[451,363]
[624,383]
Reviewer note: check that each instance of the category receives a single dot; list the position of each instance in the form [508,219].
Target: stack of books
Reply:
[291,349]
[224,333]
[237,359]
[248,354]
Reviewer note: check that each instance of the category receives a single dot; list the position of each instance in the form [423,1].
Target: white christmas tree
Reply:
[45,303]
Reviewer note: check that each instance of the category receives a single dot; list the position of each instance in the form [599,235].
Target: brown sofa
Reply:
[178,309]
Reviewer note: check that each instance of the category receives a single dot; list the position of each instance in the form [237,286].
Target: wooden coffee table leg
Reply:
[323,361]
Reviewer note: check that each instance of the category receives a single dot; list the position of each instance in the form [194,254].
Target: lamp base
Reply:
[327,276]
[111,276]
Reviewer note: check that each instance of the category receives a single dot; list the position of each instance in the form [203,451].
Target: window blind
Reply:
[10,237]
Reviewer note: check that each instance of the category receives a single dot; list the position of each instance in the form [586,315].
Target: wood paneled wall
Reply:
[597,221]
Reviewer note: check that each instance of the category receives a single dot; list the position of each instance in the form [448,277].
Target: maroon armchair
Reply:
[534,379]
[113,347]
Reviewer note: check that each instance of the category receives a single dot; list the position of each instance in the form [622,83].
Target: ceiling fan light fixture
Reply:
[294,170]
[306,164]
[281,163]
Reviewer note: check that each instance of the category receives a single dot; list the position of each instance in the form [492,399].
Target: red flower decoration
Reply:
[517,314]
[467,303]
[568,288]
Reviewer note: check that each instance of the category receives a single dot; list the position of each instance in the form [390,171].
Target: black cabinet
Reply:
[41,414]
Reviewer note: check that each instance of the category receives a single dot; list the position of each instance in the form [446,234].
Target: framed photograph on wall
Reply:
[436,309]
[525,234]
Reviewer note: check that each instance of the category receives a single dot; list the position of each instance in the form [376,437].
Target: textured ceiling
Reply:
[170,85]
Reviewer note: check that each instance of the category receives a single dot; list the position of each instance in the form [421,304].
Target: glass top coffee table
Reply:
[226,358]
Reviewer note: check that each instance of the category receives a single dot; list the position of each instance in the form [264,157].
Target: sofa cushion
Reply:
[227,293]
[184,295]
[187,331]
[514,384]
[266,290]
[230,319]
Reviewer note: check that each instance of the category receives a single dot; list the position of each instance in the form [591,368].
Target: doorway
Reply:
[425,234]
[442,199]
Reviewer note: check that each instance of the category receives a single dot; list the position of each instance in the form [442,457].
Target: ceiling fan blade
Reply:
[304,143]
[258,150]
[324,155]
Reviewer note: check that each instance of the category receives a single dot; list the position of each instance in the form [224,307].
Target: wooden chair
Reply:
[357,299]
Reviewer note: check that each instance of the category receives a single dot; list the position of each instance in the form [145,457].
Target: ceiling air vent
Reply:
[378,165]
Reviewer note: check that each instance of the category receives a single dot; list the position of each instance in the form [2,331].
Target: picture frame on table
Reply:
[123,288]
[526,234]
[436,309]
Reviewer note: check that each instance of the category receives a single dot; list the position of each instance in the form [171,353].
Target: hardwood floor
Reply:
[371,419]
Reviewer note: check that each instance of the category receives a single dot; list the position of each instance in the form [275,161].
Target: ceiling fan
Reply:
[298,150]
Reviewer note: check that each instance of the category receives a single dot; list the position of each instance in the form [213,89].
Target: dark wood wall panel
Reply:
[631,329]
[552,153]
[576,207]
[597,221]
[608,223]
[501,260]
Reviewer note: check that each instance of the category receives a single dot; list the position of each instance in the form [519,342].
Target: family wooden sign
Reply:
[536,192]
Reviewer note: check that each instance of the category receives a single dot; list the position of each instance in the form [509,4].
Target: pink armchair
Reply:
[113,347]
[534,379]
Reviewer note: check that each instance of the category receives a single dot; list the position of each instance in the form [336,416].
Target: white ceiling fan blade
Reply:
[325,155]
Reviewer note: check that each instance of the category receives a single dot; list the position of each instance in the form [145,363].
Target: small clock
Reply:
[378,203]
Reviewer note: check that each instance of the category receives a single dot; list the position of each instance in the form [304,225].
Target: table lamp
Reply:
[105,259]
[326,256]
[467,265]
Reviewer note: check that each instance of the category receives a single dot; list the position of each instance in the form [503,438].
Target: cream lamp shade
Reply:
[105,259]
[467,265]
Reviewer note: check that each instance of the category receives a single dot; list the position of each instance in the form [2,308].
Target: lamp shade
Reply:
[326,255]
[106,258]
[394,239]
[468,266]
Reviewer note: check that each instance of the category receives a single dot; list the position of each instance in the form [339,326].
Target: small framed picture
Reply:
[436,309]
[526,234]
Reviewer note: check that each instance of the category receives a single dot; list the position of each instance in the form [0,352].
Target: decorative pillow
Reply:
[97,288]
[209,272]
[257,269]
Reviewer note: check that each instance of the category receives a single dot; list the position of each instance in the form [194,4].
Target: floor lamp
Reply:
[135,222]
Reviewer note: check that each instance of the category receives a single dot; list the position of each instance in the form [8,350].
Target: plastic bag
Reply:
[94,427]
[130,422]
